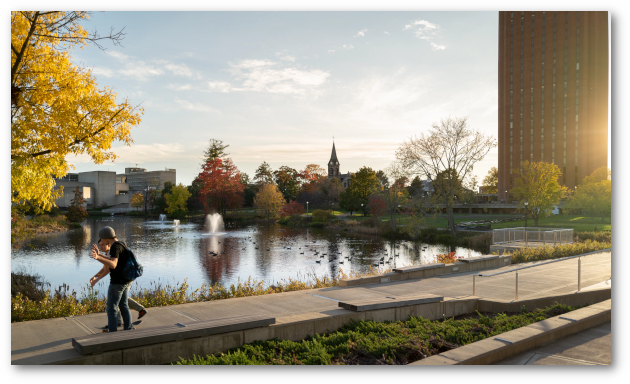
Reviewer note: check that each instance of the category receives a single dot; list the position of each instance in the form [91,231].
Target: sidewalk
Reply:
[49,341]
[589,347]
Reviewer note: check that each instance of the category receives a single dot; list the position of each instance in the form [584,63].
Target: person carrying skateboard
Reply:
[118,291]
[104,272]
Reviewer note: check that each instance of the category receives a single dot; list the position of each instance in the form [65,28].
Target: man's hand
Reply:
[94,280]
[94,254]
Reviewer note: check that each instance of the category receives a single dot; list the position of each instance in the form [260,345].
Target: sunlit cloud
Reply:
[141,153]
[361,33]
[285,57]
[179,87]
[267,76]
[99,71]
[219,86]
[198,107]
[427,31]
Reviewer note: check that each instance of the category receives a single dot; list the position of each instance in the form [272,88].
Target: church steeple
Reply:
[333,164]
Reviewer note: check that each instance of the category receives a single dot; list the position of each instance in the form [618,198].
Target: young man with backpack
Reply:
[104,272]
[118,292]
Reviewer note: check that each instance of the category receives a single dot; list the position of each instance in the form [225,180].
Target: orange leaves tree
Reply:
[221,185]
[57,108]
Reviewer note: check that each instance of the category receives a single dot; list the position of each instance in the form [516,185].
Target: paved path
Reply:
[589,347]
[47,341]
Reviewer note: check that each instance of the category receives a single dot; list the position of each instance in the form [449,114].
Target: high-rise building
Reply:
[553,93]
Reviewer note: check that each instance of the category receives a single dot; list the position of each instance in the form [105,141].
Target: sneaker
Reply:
[142,313]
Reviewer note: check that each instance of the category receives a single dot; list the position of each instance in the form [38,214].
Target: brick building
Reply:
[553,93]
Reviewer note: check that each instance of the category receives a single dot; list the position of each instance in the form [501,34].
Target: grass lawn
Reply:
[577,222]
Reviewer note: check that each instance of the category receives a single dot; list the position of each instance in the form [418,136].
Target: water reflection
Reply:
[268,252]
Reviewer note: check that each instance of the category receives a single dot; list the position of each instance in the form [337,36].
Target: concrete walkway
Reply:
[589,347]
[49,341]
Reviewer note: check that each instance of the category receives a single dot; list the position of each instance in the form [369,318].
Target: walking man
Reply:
[118,292]
[104,272]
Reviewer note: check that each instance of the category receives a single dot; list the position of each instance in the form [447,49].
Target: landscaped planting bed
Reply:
[376,343]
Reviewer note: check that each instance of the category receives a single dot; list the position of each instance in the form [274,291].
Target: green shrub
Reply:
[549,252]
[321,215]
[605,236]
[378,343]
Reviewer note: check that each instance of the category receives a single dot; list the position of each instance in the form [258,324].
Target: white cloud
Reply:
[141,153]
[349,46]
[140,70]
[387,33]
[427,31]
[285,57]
[195,106]
[178,69]
[248,64]
[179,87]
[219,86]
[331,51]
[103,72]
[118,55]
[361,33]
[267,76]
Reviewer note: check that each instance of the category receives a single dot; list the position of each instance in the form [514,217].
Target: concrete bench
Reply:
[479,258]
[389,302]
[417,267]
[138,337]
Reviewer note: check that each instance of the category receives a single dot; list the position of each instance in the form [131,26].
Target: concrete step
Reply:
[127,339]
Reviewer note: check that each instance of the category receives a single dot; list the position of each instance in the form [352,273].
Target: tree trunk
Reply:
[451,222]
[535,221]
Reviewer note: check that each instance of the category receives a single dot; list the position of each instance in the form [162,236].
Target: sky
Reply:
[278,86]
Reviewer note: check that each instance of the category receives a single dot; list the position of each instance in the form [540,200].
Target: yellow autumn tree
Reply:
[57,108]
[537,184]
[177,199]
[269,199]
[137,200]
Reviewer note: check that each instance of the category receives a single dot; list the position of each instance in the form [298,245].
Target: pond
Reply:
[172,252]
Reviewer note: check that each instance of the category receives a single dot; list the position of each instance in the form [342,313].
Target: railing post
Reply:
[516,286]
[474,285]
[579,274]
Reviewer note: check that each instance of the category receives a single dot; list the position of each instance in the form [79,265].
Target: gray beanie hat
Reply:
[106,233]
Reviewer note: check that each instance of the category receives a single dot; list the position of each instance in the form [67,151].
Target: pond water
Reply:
[172,253]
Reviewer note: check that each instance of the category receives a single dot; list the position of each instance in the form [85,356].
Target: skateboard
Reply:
[135,324]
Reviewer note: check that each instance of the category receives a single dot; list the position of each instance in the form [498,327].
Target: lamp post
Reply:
[307,207]
[362,210]
[398,214]
[465,210]
[526,203]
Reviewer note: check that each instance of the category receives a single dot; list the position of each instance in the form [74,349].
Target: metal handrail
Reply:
[579,283]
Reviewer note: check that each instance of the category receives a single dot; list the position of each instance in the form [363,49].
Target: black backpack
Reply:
[132,269]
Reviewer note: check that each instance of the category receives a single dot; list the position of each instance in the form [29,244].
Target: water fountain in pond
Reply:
[214,224]
[162,217]
[176,222]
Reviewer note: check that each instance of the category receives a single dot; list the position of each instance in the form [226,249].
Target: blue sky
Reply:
[277,86]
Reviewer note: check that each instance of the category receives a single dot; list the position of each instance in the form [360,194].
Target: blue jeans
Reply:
[117,296]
